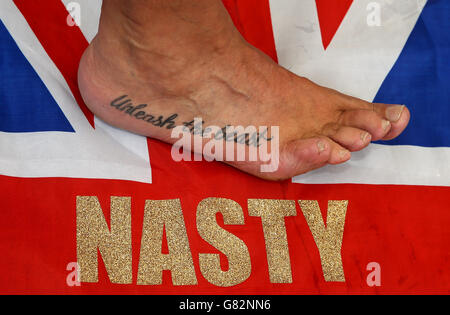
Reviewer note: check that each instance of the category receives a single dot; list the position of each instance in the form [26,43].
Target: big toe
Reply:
[399,116]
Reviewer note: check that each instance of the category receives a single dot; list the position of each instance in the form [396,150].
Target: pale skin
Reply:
[185,59]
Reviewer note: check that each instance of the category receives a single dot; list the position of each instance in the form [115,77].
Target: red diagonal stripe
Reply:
[64,44]
[253,19]
[331,14]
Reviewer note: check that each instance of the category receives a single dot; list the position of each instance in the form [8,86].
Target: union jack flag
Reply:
[53,150]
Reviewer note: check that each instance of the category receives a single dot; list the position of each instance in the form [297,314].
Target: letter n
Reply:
[114,245]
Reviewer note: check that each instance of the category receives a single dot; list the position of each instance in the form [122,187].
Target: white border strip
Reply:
[387,165]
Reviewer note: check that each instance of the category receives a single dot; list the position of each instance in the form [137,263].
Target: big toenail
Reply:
[321,146]
[393,113]
[386,125]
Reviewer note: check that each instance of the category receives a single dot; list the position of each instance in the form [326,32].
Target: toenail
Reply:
[321,146]
[393,113]
[365,137]
[344,154]
[386,125]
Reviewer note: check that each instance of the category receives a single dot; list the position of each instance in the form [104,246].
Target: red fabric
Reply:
[252,18]
[404,228]
[331,13]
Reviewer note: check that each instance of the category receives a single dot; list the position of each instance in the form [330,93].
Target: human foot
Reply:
[157,65]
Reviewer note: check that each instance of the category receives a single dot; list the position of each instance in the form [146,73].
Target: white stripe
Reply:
[360,57]
[297,32]
[90,16]
[57,154]
[387,165]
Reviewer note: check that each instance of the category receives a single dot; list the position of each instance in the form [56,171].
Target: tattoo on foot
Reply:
[248,136]
[124,104]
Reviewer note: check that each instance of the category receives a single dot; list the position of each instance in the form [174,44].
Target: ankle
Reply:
[161,26]
[166,38]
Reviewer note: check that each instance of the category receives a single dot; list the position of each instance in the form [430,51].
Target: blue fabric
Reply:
[420,79]
[26,105]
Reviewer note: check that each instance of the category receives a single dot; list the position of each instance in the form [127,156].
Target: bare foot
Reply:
[159,64]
